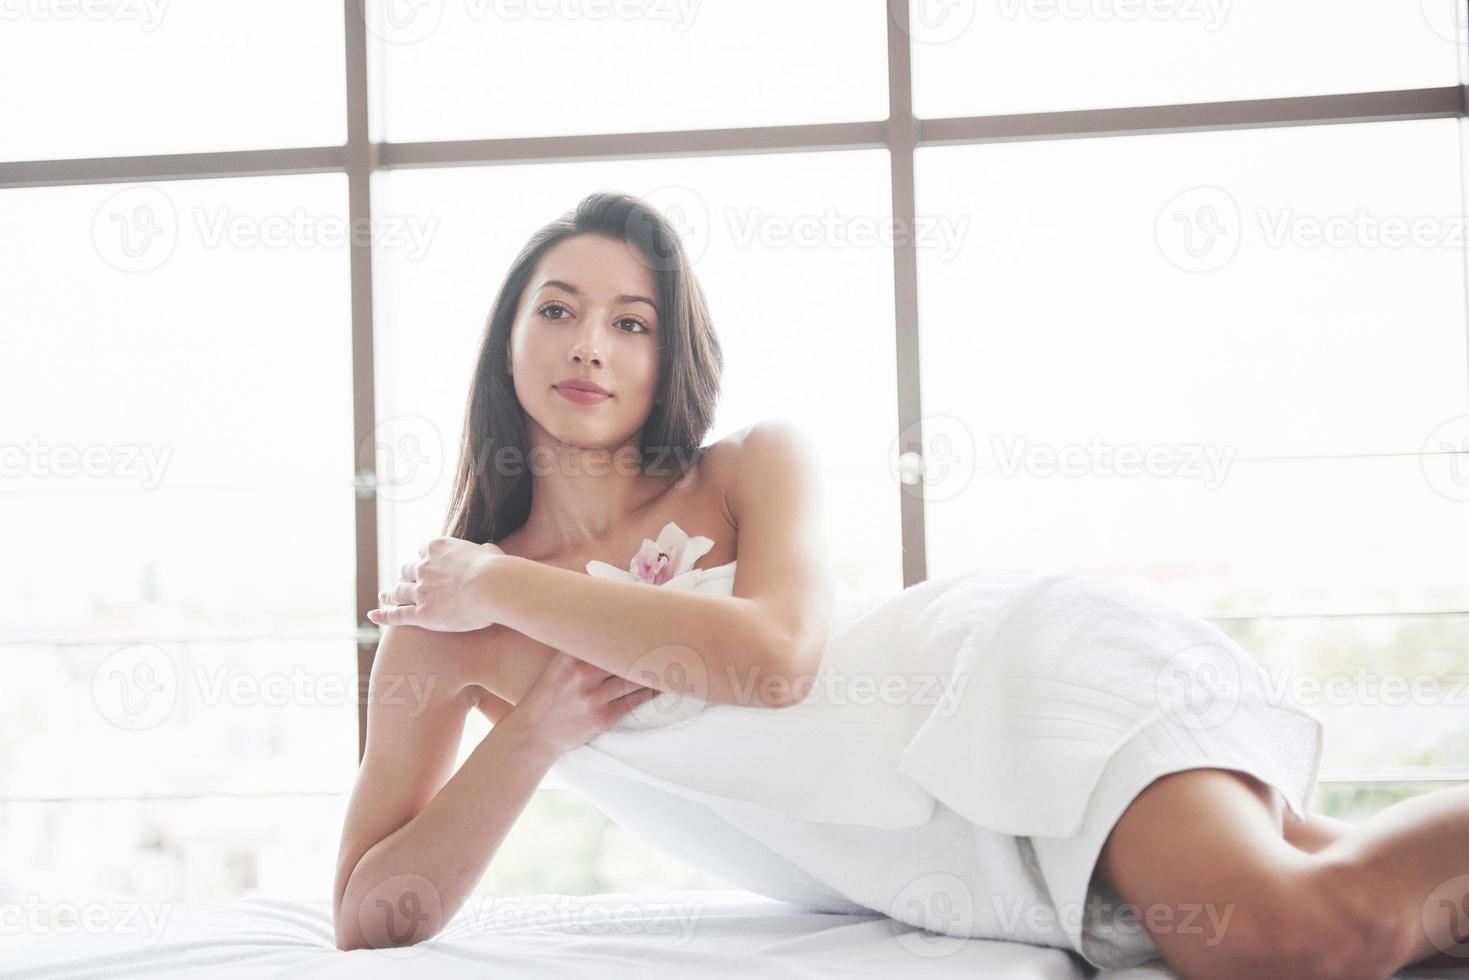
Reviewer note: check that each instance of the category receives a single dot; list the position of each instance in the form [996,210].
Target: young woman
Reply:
[596,383]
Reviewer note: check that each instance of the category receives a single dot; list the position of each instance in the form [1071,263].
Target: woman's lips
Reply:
[581,396]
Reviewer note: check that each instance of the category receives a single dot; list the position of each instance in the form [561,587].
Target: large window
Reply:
[1172,293]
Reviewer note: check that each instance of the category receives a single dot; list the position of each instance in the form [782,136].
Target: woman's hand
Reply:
[442,589]
[573,702]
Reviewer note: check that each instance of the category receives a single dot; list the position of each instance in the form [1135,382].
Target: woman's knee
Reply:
[1206,846]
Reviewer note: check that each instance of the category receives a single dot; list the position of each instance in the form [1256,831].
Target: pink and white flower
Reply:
[659,562]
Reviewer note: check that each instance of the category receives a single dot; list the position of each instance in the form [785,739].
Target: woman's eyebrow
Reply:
[624,298]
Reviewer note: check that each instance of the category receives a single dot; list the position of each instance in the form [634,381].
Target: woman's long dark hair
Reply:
[492,490]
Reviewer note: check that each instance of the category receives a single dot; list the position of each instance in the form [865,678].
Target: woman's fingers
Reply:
[615,687]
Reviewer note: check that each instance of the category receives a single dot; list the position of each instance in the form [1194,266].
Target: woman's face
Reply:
[587,313]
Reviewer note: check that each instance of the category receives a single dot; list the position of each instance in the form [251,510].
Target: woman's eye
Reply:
[638,325]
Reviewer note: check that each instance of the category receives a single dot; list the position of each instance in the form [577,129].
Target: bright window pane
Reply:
[1101,307]
[115,79]
[1273,292]
[1047,55]
[791,254]
[1390,690]
[175,410]
[542,68]
[169,717]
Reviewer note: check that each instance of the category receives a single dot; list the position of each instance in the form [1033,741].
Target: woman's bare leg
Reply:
[1420,847]
[1207,846]
[1314,832]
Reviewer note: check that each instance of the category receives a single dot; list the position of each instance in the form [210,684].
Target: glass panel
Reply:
[123,859]
[791,254]
[1047,55]
[534,68]
[1355,802]
[117,79]
[168,718]
[161,565]
[179,353]
[1123,422]
[1390,690]
[1274,538]
[1252,291]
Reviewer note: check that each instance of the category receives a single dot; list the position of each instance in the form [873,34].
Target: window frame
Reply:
[902,133]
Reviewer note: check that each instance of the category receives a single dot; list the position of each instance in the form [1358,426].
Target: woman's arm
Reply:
[413,845]
[412,882]
[717,648]
[759,647]
[408,861]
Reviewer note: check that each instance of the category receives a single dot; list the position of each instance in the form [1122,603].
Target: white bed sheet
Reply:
[646,935]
